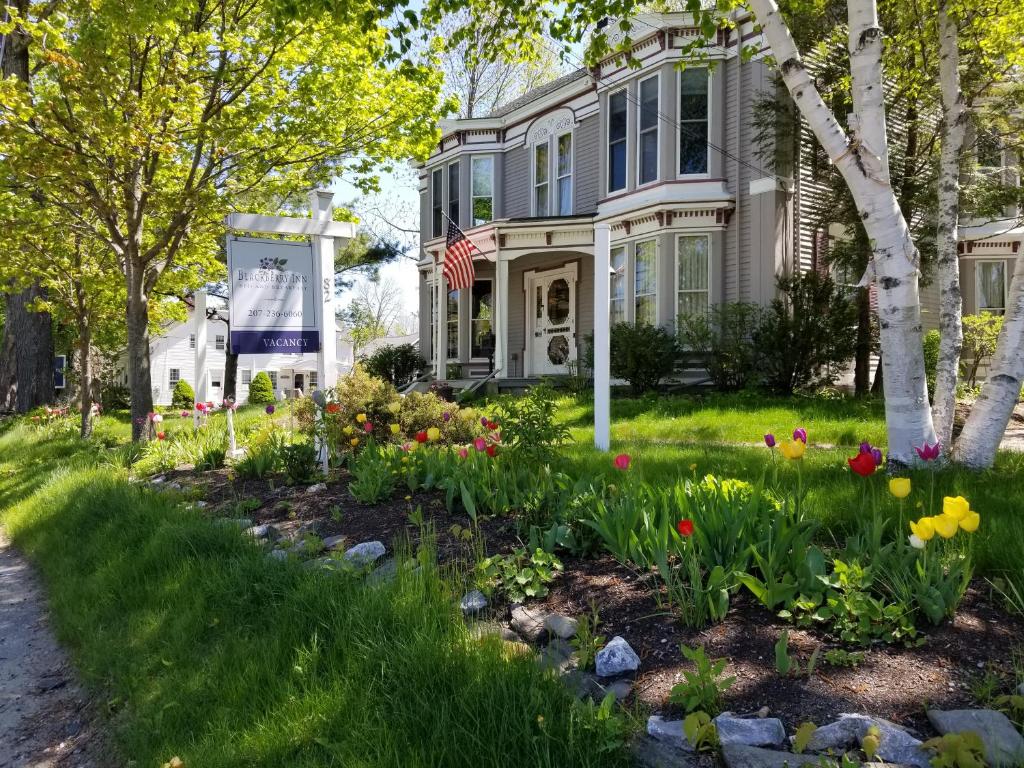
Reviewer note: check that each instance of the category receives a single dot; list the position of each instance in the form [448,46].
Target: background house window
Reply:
[540,179]
[246,377]
[191,341]
[645,280]
[692,275]
[218,342]
[565,174]
[482,343]
[990,278]
[216,377]
[453,192]
[313,380]
[617,141]
[436,202]
[482,181]
[617,312]
[693,121]
[273,380]
[173,376]
[453,325]
[647,166]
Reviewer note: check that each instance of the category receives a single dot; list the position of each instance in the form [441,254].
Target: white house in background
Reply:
[172,357]
[387,341]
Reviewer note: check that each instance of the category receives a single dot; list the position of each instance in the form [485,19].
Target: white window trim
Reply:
[433,202]
[492,281]
[533,178]
[608,144]
[679,125]
[220,342]
[657,294]
[657,131]
[313,378]
[241,376]
[977,286]
[447,182]
[191,341]
[432,285]
[675,265]
[275,379]
[473,196]
[171,381]
[571,175]
[625,283]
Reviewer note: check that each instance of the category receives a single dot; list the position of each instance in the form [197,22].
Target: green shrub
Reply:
[116,397]
[301,463]
[262,455]
[398,364]
[981,334]
[702,688]
[373,474]
[184,397]
[261,390]
[530,427]
[723,340]
[642,355]
[421,411]
[931,358]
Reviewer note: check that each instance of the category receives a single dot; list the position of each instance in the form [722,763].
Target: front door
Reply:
[552,327]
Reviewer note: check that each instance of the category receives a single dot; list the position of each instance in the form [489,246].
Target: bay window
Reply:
[436,202]
[645,280]
[647,132]
[693,286]
[565,174]
[482,191]
[693,121]
[453,192]
[481,318]
[617,310]
[453,325]
[990,281]
[540,179]
[617,132]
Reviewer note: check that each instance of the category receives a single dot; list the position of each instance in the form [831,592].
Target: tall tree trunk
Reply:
[862,356]
[861,161]
[140,384]
[85,370]
[26,351]
[877,384]
[230,371]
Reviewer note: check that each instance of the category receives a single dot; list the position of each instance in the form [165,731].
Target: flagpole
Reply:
[478,248]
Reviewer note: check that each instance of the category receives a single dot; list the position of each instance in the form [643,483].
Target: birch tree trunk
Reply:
[864,167]
[978,443]
[954,128]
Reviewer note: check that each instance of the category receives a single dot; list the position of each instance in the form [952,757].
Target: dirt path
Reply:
[45,719]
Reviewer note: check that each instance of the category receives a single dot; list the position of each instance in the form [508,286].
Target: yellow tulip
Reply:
[396,428]
[971,522]
[348,430]
[354,441]
[413,447]
[793,450]
[433,434]
[361,418]
[405,459]
[899,487]
[956,507]
[945,525]
[693,467]
[394,407]
[924,529]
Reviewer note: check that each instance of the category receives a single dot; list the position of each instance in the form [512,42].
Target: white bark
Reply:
[867,123]
[986,425]
[954,128]
[894,261]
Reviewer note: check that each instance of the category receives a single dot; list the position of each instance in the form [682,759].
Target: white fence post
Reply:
[200,325]
[322,209]
[602,344]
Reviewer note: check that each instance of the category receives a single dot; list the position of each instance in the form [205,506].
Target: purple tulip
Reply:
[928,452]
[769,440]
[483,421]
[800,434]
[865,447]
[876,454]
[270,410]
[446,416]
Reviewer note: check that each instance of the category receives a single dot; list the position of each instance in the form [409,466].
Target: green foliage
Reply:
[420,411]
[804,733]
[838,657]
[529,427]
[700,732]
[373,473]
[300,462]
[981,334]
[398,364]
[519,576]
[723,339]
[262,456]
[586,641]
[931,358]
[957,750]
[807,335]
[642,355]
[115,397]
[702,687]
[184,397]
[261,390]
[788,665]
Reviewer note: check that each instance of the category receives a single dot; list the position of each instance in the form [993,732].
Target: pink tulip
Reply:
[463,453]
[928,452]
[480,444]
[367,427]
[622,461]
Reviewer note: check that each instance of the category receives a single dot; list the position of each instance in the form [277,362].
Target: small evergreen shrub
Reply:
[931,359]
[642,355]
[261,391]
[723,339]
[398,364]
[184,397]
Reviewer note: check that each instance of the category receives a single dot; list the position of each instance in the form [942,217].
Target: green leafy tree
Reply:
[261,390]
[183,397]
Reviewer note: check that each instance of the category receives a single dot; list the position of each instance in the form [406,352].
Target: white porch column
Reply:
[199,327]
[602,353]
[501,316]
[442,326]
[322,208]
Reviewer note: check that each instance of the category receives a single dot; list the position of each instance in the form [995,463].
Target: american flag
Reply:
[458,259]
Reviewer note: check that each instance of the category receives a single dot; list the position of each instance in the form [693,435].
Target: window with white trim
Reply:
[564,173]
[990,282]
[453,192]
[482,189]
[218,342]
[191,341]
[273,381]
[481,316]
[540,179]
[693,275]
[246,377]
[453,325]
[173,376]
[693,121]
[647,132]
[645,282]
[216,378]
[617,132]
[436,202]
[617,311]
[312,380]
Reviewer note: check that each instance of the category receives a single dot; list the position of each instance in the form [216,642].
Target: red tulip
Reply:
[367,426]
[685,527]
[333,407]
[491,450]
[863,464]
[421,436]
[160,435]
[622,461]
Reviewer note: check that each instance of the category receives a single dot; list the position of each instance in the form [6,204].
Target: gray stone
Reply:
[560,626]
[557,656]
[310,527]
[620,689]
[528,623]
[754,732]
[1020,689]
[616,657]
[173,486]
[317,488]
[668,732]
[201,504]
[897,746]
[383,573]
[307,546]
[583,685]
[648,752]
[265,532]
[743,756]
[240,522]
[157,480]
[366,553]
[277,554]
[334,542]
[472,602]
[1004,746]
[185,468]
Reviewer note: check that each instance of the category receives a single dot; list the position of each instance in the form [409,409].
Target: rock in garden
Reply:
[383,573]
[472,602]
[560,626]
[185,468]
[648,752]
[241,522]
[756,732]
[528,623]
[616,657]
[583,684]
[743,756]
[620,689]
[265,532]
[201,504]
[668,732]
[317,488]
[1020,689]
[897,746]
[277,554]
[366,553]
[1004,746]
[334,542]
[556,655]
[308,546]
[157,480]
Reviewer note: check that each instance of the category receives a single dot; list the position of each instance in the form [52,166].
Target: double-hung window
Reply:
[191,341]
[312,379]
[693,121]
[173,376]
[482,189]
[990,282]
[617,132]
[453,192]
[693,287]
[246,377]
[481,338]
[436,202]
[565,174]
[540,179]
[273,381]
[218,342]
[647,132]
[453,325]
[645,283]
[617,311]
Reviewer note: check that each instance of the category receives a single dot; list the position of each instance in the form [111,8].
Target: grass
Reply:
[204,649]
